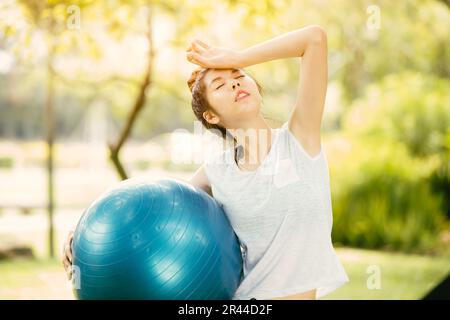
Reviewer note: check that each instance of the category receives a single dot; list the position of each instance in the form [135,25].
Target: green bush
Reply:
[382,199]
[395,191]
[6,162]
[411,108]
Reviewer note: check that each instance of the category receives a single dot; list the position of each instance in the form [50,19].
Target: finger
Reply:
[198,59]
[66,264]
[197,62]
[190,56]
[69,251]
[201,43]
[66,253]
[69,255]
[197,48]
[68,268]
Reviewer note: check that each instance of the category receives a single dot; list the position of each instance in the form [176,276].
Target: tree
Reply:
[48,18]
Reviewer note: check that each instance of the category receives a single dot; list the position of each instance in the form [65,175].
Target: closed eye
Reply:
[224,84]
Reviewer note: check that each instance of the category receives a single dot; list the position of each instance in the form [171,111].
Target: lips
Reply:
[241,94]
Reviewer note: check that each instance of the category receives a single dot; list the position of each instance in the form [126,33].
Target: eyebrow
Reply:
[218,78]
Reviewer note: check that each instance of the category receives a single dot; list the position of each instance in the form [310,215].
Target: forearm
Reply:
[287,45]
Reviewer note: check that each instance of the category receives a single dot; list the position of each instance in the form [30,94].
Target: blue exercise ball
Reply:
[164,239]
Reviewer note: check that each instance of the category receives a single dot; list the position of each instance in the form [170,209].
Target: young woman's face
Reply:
[222,87]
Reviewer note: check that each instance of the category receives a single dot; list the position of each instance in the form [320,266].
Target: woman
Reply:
[274,183]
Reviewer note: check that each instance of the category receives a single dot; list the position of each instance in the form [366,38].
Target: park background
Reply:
[92,92]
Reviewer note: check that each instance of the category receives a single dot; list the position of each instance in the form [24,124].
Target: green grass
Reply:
[33,279]
[402,276]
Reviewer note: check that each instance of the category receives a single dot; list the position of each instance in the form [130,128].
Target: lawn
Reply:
[402,276]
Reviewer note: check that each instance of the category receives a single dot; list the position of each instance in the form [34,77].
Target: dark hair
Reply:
[200,102]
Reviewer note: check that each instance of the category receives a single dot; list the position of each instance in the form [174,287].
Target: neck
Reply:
[255,140]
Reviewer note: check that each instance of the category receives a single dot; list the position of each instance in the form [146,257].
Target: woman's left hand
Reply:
[208,56]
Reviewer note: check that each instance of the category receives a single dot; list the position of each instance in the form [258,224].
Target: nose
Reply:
[235,83]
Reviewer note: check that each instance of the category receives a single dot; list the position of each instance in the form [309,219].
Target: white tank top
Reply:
[282,215]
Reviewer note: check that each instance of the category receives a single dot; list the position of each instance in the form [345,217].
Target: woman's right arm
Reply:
[200,180]
[67,255]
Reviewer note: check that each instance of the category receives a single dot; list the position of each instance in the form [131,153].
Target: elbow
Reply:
[318,35]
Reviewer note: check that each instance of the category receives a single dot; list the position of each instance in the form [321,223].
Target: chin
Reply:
[250,108]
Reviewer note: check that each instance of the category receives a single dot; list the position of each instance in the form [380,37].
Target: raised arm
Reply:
[309,43]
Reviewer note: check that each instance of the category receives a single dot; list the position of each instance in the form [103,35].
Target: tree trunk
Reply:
[49,139]
[138,105]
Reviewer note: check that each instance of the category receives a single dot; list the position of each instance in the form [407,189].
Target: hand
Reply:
[208,56]
[67,255]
